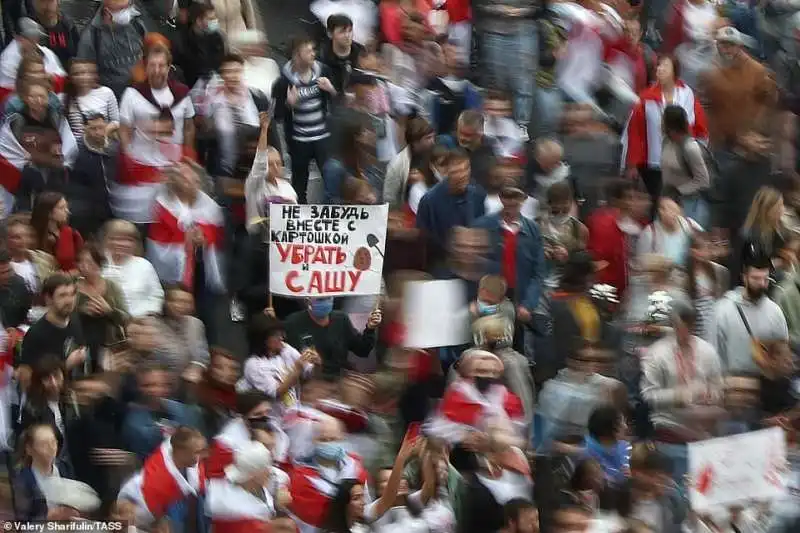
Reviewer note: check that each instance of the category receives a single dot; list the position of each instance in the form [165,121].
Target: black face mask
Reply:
[258,422]
[483,383]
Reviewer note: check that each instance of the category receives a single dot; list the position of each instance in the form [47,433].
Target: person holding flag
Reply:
[171,475]
[477,412]
[156,131]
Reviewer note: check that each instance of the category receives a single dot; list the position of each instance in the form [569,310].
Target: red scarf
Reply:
[67,246]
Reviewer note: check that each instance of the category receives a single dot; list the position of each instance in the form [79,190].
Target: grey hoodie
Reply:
[729,335]
[120,49]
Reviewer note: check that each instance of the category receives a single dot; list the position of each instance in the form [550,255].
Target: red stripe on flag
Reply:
[458,408]
[9,175]
[159,488]
[59,84]
[219,457]
[132,172]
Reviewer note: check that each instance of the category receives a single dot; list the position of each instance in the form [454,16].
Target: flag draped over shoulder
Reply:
[159,485]
[170,248]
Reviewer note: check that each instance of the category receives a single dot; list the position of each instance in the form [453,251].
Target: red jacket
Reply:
[643,133]
[607,243]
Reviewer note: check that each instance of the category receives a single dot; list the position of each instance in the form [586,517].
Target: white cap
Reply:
[729,34]
[59,491]
[253,457]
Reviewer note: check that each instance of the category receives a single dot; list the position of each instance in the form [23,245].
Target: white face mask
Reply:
[212,26]
[123,16]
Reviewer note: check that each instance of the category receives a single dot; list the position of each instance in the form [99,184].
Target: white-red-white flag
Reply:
[170,248]
[159,485]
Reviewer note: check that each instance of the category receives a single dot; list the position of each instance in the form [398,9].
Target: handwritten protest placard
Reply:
[750,466]
[326,250]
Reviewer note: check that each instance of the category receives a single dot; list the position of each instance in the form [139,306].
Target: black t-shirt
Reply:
[340,67]
[45,338]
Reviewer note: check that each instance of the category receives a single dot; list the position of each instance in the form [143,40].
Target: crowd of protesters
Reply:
[614,184]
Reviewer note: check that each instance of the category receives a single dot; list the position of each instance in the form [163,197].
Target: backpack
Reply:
[708,158]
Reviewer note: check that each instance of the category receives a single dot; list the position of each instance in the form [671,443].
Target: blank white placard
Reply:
[436,314]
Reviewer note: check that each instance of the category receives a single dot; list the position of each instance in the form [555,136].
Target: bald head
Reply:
[328,429]
[548,152]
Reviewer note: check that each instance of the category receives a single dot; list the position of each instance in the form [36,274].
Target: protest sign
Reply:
[750,466]
[326,250]
[435,313]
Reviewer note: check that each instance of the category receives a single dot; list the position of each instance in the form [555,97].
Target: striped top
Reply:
[309,115]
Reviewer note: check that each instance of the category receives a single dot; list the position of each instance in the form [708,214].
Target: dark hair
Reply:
[338,20]
[351,128]
[95,252]
[5,257]
[336,521]
[580,475]
[675,119]
[695,267]
[513,508]
[671,192]
[88,117]
[298,42]
[457,155]
[577,271]
[753,256]
[198,10]
[604,422]
[182,436]
[685,311]
[417,129]
[48,365]
[54,281]
[561,191]
[676,66]
[247,401]
[653,461]
[232,58]
[262,327]
[619,188]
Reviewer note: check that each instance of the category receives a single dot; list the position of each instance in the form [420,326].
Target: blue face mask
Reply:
[485,309]
[329,451]
[321,308]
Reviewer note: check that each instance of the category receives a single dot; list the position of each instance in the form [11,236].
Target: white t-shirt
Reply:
[27,271]
[266,374]
[135,109]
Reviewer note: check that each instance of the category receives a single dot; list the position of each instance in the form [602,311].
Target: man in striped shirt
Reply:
[303,97]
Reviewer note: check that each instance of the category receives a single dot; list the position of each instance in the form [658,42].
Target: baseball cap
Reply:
[30,29]
[729,34]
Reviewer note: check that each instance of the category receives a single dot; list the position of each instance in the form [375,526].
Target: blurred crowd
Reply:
[613,185]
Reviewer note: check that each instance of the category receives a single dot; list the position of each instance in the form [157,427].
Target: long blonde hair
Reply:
[758,222]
